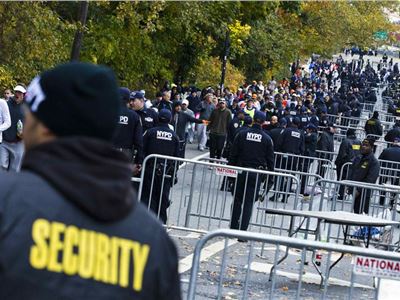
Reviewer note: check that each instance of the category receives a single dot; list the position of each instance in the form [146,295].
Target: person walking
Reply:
[218,126]
[71,226]
[12,147]
[205,108]
[5,119]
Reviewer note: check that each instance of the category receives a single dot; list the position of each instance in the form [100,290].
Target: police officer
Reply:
[148,116]
[310,147]
[290,141]
[159,172]
[252,148]
[326,146]
[391,154]
[233,127]
[129,136]
[365,168]
[71,226]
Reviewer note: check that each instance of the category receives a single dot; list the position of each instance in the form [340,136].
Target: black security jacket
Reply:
[71,228]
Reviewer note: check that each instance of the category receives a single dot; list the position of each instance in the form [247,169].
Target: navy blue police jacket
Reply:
[252,148]
[129,134]
[391,154]
[71,228]
[291,140]
[148,118]
[161,140]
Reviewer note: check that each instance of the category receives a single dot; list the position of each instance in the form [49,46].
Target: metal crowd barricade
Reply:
[381,200]
[314,165]
[247,276]
[303,169]
[199,196]
[368,106]
[346,122]
[389,172]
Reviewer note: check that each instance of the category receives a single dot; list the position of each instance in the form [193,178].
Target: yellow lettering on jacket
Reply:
[70,250]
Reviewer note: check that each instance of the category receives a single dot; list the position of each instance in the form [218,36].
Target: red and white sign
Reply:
[225,172]
[377,267]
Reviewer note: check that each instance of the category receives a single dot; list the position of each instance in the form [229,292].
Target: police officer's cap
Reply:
[137,95]
[311,126]
[124,93]
[296,121]
[259,116]
[164,116]
[247,120]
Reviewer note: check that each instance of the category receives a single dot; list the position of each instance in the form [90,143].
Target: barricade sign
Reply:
[221,171]
[383,268]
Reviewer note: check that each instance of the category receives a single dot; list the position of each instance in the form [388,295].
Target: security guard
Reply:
[365,168]
[129,136]
[348,150]
[391,154]
[159,172]
[373,126]
[71,226]
[252,148]
[148,116]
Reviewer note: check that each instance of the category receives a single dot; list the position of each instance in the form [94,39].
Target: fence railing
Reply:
[258,277]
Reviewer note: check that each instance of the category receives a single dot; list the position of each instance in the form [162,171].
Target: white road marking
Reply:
[185,264]
[311,278]
[387,288]
[192,235]
[198,157]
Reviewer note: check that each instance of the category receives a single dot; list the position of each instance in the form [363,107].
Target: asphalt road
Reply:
[198,194]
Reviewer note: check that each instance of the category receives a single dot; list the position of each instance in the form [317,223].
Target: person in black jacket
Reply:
[128,137]
[349,148]
[326,146]
[12,147]
[290,141]
[393,133]
[148,116]
[390,162]
[373,126]
[159,172]
[70,223]
[310,142]
[180,120]
[251,149]
[365,168]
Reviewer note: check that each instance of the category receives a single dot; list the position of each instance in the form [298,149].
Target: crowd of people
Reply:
[72,139]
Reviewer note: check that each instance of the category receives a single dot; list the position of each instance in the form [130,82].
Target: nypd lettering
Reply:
[164,135]
[74,251]
[295,134]
[123,120]
[254,137]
